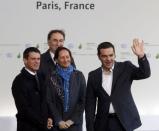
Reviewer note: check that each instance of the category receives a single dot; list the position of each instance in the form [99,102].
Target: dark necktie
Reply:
[37,81]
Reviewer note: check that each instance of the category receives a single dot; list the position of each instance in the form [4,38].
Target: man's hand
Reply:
[69,123]
[138,48]
[49,123]
[63,125]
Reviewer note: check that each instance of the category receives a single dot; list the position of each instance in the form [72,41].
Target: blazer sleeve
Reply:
[23,106]
[143,71]
[90,105]
[79,109]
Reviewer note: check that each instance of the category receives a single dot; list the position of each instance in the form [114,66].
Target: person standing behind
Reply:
[111,85]
[55,39]
[30,96]
[66,93]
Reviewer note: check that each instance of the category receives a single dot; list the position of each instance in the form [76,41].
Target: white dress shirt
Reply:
[52,56]
[107,79]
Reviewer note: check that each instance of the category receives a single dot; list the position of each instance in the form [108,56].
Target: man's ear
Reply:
[25,61]
[98,56]
[48,42]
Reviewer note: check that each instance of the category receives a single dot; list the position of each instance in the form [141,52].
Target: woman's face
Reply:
[64,59]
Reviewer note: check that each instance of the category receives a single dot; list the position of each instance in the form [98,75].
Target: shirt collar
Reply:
[32,73]
[52,55]
[110,71]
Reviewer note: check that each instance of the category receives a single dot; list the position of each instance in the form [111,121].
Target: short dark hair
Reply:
[28,50]
[60,49]
[105,45]
[55,31]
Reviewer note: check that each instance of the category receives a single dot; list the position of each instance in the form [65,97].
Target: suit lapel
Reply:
[50,62]
[116,73]
[49,59]
[99,78]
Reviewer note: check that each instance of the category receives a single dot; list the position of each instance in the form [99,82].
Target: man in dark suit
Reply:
[109,88]
[55,39]
[30,96]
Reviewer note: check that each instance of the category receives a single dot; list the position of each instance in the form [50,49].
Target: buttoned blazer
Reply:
[123,75]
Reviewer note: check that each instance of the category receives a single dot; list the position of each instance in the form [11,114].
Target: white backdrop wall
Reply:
[23,25]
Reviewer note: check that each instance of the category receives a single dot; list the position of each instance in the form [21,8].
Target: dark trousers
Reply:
[113,123]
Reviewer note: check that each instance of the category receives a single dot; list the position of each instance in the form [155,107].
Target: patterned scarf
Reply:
[65,73]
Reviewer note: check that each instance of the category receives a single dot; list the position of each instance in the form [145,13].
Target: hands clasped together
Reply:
[65,124]
[62,124]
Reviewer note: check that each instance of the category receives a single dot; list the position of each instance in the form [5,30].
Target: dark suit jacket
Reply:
[47,65]
[76,99]
[30,100]
[123,75]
